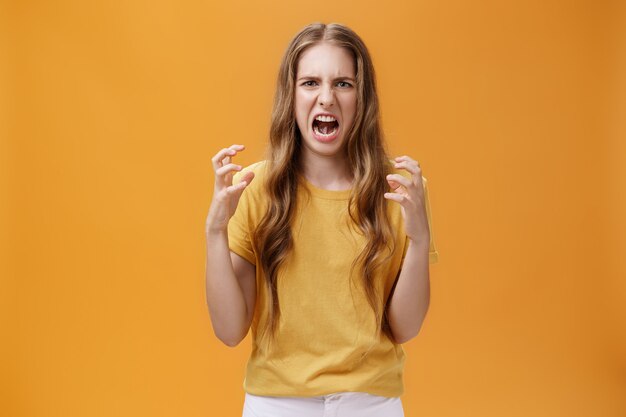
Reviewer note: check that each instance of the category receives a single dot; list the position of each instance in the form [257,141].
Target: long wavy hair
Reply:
[367,158]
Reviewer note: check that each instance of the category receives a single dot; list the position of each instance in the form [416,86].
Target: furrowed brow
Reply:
[311,77]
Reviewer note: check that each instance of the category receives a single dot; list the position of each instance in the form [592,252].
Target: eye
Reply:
[347,84]
[307,83]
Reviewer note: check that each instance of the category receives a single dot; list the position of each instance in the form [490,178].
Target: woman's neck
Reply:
[328,173]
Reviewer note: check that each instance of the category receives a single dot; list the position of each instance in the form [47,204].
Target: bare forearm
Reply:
[411,297]
[227,306]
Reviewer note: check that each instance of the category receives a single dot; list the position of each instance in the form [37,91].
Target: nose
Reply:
[326,97]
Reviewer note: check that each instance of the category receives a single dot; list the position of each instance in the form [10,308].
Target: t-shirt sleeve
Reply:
[239,225]
[433,253]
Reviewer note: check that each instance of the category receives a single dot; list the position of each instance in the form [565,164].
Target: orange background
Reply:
[110,114]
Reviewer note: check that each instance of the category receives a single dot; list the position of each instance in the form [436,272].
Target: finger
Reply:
[405,158]
[229,152]
[222,157]
[234,189]
[399,179]
[232,151]
[402,158]
[224,175]
[237,147]
[394,185]
[400,198]
[227,168]
[412,167]
[248,176]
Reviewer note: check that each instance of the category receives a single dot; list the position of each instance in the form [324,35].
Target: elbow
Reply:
[409,334]
[231,340]
[230,334]
[401,340]
[231,343]
[405,338]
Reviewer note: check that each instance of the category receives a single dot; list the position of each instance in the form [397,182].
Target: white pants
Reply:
[340,404]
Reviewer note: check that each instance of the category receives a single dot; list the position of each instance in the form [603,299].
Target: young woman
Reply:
[322,249]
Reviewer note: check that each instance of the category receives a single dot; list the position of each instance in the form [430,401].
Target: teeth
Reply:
[326,118]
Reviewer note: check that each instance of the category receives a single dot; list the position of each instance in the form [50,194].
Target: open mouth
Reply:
[325,128]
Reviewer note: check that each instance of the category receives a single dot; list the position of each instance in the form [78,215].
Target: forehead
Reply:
[326,59]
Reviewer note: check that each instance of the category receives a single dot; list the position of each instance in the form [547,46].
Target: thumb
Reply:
[246,176]
[237,188]
[235,191]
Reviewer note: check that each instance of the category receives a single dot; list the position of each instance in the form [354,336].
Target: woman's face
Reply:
[325,83]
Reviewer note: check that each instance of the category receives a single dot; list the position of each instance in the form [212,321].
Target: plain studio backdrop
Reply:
[110,113]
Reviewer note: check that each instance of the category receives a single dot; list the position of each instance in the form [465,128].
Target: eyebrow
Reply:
[317,78]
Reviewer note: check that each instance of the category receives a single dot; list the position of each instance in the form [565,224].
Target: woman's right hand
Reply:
[225,194]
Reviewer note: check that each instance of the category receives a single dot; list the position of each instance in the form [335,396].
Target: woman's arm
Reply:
[230,290]
[230,279]
[411,297]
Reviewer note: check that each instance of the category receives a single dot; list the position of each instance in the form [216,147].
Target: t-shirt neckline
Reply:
[327,194]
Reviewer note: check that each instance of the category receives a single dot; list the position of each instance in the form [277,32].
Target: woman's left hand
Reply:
[409,193]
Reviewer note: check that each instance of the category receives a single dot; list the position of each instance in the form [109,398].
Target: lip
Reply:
[321,139]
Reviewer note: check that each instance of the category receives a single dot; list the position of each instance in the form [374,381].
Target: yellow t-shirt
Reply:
[326,339]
